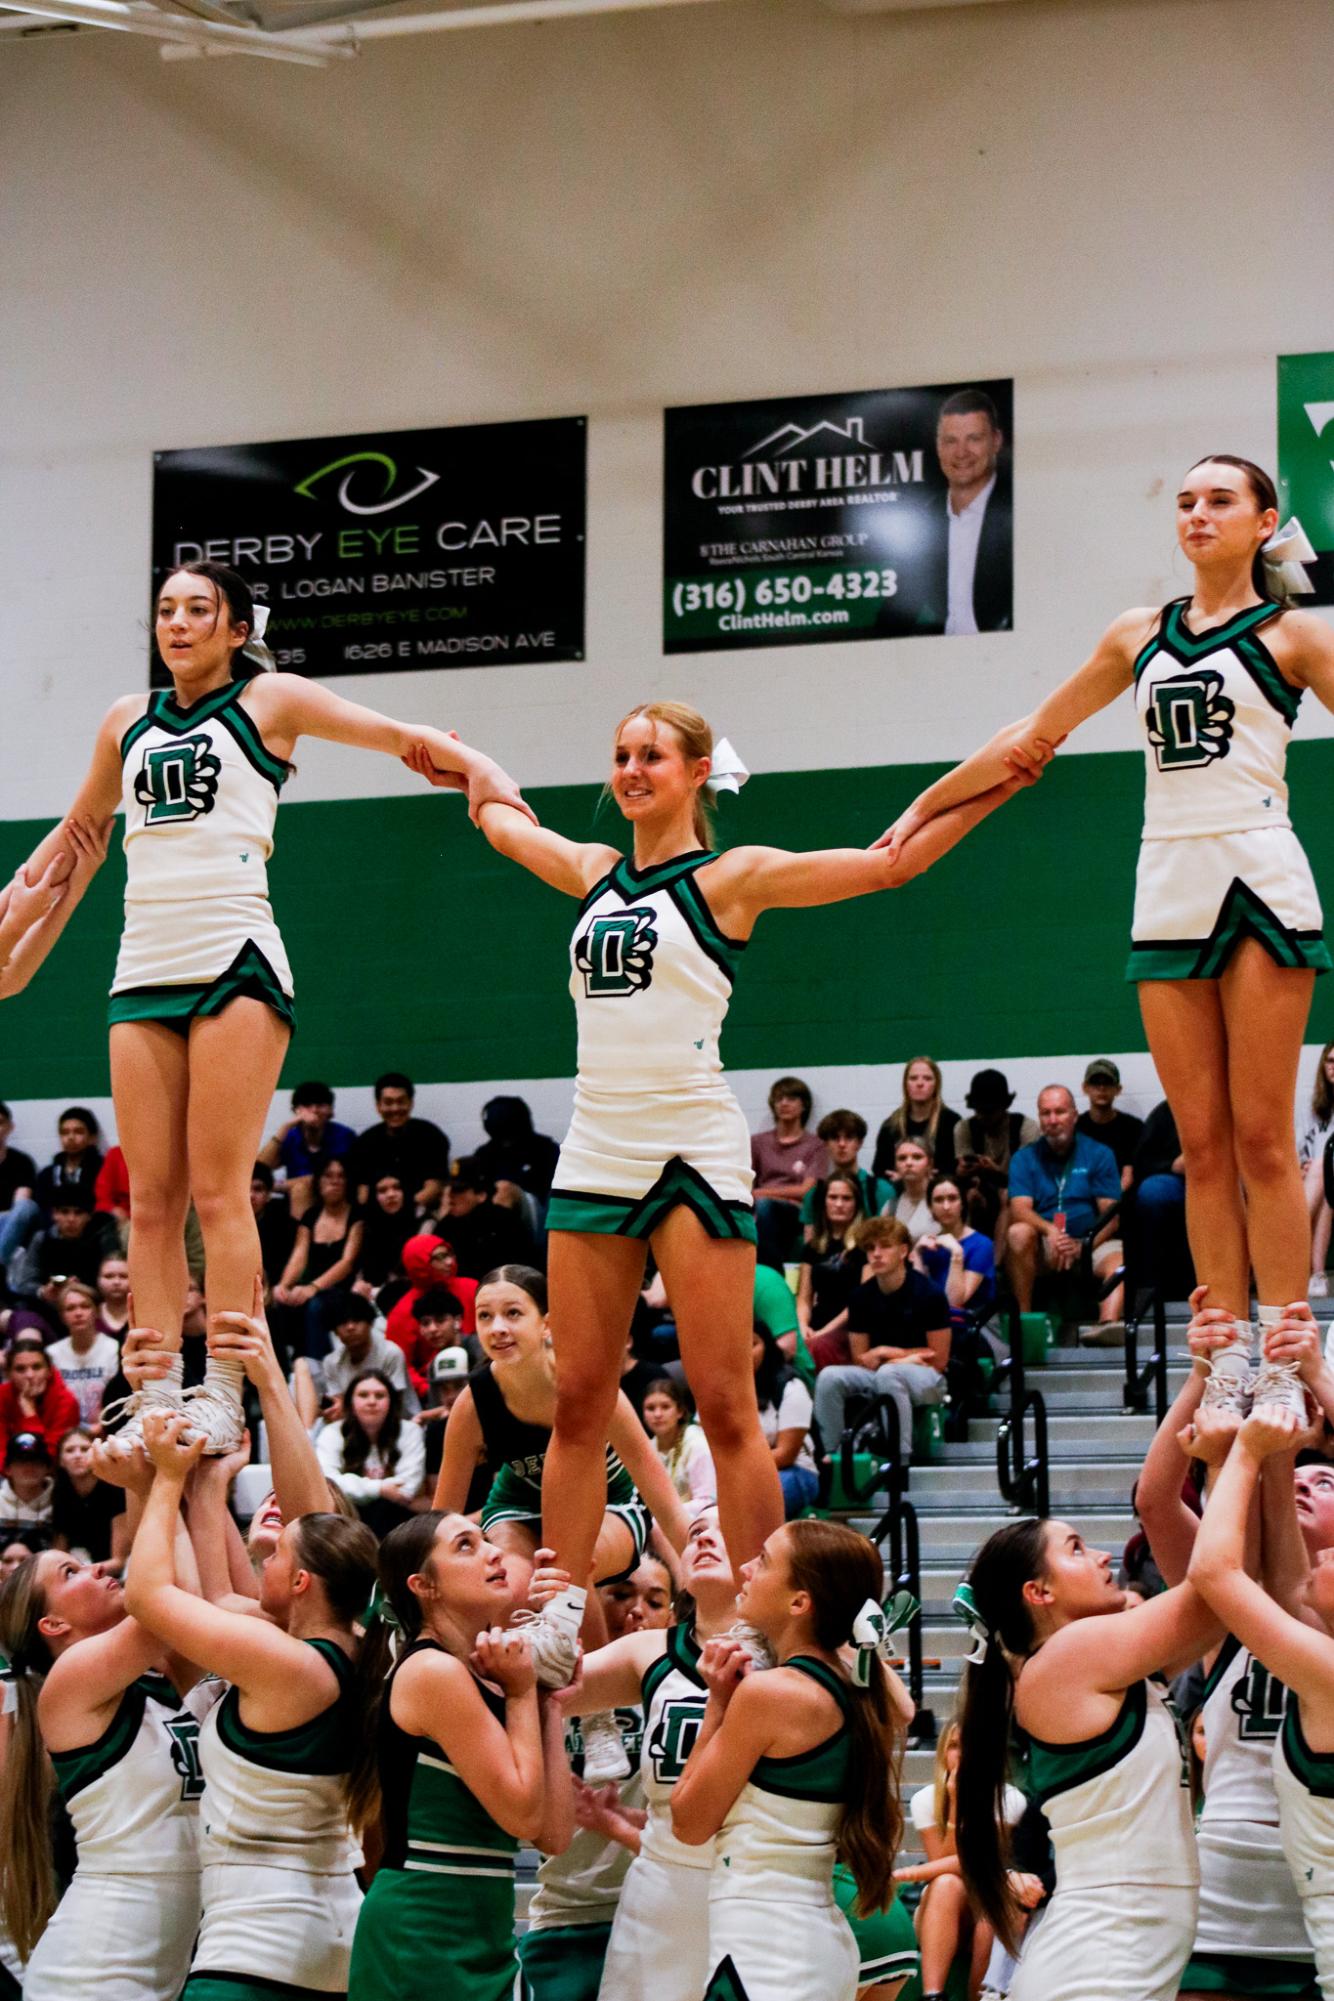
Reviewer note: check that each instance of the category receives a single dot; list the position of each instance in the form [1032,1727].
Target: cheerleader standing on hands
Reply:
[658,1151]
[1227,936]
[201,1004]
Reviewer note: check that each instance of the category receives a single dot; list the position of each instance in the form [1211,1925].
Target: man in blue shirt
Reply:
[1059,1188]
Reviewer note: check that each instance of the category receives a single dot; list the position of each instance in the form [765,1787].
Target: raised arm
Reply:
[613,1676]
[460,1455]
[641,1460]
[1301,1658]
[502,1765]
[1106,674]
[1111,1651]
[738,1728]
[298,1478]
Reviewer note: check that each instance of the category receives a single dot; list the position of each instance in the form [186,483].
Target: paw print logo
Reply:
[1189,721]
[615,954]
[178,781]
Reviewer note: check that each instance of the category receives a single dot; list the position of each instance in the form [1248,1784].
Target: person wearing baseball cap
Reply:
[28,1483]
[1102,1121]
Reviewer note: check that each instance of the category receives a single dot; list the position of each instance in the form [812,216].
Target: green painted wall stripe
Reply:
[414,946]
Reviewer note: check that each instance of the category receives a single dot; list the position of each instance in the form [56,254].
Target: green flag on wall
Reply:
[1306,457]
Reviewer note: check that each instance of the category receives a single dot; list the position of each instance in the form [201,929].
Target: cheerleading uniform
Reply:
[1304,1782]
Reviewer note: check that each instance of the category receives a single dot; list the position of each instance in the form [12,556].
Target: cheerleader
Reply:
[456,1766]
[280,1898]
[100,1704]
[795,1769]
[1055,1654]
[201,1004]
[1226,937]
[1292,1635]
[503,1419]
[658,1152]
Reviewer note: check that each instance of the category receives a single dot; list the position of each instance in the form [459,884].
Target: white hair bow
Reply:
[873,1632]
[1284,554]
[254,648]
[966,1609]
[728,774]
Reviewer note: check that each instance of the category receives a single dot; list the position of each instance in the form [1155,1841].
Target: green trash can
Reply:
[928,1433]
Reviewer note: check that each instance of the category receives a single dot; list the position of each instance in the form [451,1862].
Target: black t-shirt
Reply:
[1159,1143]
[486,1237]
[85,1519]
[75,1174]
[899,1319]
[17,1170]
[835,1276]
[416,1151]
[1120,1134]
[277,1233]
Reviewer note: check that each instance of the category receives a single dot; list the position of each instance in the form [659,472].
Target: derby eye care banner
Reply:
[813,518]
[393,550]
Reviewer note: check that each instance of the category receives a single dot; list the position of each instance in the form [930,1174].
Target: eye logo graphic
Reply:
[388,499]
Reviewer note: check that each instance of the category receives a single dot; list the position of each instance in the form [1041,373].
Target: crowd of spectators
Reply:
[884,1279]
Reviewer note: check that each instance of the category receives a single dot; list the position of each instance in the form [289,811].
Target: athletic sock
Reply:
[566,1609]
[224,1373]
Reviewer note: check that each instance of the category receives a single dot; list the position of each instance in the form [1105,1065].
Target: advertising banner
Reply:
[873,515]
[393,550]
[1306,458]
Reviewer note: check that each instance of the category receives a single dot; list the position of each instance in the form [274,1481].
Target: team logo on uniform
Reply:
[615,954]
[178,781]
[1190,720]
[1258,1701]
[184,1734]
[674,1734]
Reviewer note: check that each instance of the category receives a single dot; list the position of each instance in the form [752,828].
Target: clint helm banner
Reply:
[1306,458]
[392,550]
[874,515]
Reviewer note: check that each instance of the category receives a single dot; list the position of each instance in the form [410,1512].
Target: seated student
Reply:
[681,1445]
[357,1346]
[1060,1187]
[86,1359]
[1118,1131]
[831,1265]
[898,1338]
[377,1459]
[73,1170]
[414,1149]
[923,1115]
[305,1143]
[439,1314]
[787,1161]
[113,1297]
[483,1232]
[512,1151]
[27,1487]
[844,1134]
[912,1179]
[274,1221]
[33,1397]
[72,1247]
[446,1378]
[87,1515]
[1313,1145]
[386,1224]
[985,1143]
[785,1419]
[774,1306]
[956,1257]
[324,1255]
[428,1260]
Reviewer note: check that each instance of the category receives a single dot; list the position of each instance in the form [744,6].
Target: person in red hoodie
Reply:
[34,1396]
[427,1261]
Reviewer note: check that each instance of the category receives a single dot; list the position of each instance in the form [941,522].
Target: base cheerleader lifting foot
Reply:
[165,1393]
[1277,1385]
[553,1639]
[1228,1388]
[214,1407]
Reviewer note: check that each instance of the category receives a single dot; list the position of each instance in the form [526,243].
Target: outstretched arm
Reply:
[570,866]
[1034,739]
[747,881]
[36,907]
[298,1477]
[288,706]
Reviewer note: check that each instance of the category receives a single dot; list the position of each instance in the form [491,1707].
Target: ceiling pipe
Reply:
[905,6]
[140,19]
[497,14]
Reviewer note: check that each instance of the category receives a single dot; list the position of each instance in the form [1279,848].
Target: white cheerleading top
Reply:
[1243,1713]
[779,1841]
[651,976]
[1216,716]
[1304,1782]
[583,1886]
[200,795]
[674,1699]
[276,1798]
[133,1796]
[1119,1803]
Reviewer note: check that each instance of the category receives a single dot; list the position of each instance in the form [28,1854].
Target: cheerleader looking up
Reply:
[201,1004]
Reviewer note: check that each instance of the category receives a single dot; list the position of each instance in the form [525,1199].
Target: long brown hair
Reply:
[356,1440]
[1322,1098]
[696,740]
[840,1570]
[823,1239]
[28,1890]
[897,1121]
[1005,1563]
[404,1551]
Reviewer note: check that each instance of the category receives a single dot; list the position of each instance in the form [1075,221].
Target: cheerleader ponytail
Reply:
[28,1891]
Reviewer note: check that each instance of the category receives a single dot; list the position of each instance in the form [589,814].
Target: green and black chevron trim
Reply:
[725,1983]
[1243,915]
[679,1185]
[176,1006]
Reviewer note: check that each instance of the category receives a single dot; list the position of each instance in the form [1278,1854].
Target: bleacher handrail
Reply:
[1023,1477]
[1155,1369]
